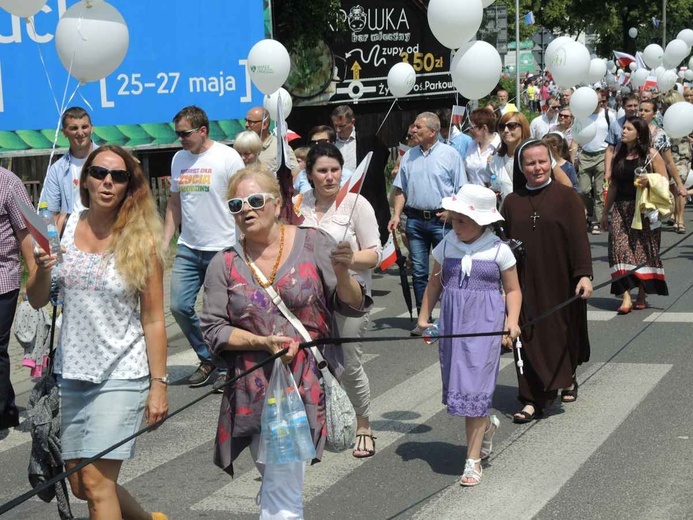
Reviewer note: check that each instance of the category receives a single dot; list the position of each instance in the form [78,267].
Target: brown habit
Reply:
[558,255]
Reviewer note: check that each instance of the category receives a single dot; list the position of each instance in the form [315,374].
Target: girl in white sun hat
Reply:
[472,270]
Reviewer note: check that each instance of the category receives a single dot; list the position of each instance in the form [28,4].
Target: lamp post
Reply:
[664,24]
[517,53]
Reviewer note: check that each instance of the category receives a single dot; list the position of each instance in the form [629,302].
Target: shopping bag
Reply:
[285,433]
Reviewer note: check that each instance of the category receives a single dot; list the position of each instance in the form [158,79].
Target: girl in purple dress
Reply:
[472,269]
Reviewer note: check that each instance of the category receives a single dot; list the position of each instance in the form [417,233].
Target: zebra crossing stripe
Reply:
[391,419]
[571,438]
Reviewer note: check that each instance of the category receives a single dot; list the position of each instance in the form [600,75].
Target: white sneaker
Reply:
[416,331]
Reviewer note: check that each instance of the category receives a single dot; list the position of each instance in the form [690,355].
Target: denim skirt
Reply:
[95,416]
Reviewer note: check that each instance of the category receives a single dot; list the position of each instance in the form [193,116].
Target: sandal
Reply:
[681,230]
[361,445]
[487,443]
[570,396]
[524,417]
[470,472]
[640,306]
[624,310]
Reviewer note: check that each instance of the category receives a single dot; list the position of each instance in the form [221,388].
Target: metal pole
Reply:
[664,24]
[517,54]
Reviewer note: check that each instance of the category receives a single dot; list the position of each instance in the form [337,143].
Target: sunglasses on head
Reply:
[318,141]
[187,133]
[255,201]
[512,125]
[99,172]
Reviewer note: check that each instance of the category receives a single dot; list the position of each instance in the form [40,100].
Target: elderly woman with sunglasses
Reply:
[241,325]
[110,361]
[564,125]
[354,221]
[513,128]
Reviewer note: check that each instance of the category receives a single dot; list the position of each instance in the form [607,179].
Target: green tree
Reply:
[303,23]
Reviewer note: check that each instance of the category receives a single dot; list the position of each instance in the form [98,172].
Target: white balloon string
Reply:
[386,115]
[86,101]
[365,164]
[30,21]
[649,159]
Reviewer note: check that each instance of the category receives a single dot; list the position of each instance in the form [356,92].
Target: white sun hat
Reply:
[476,202]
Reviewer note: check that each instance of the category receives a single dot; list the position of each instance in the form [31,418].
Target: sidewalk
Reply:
[176,341]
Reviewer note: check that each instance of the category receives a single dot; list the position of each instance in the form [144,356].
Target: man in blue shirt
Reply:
[428,171]
[61,187]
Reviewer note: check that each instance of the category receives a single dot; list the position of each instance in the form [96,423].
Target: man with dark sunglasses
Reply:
[540,126]
[258,120]
[200,173]
[318,135]
[61,187]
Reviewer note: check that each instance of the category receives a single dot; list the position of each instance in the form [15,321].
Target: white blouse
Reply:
[502,167]
[101,335]
[476,162]
[361,230]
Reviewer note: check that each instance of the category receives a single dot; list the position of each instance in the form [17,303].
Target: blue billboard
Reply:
[180,53]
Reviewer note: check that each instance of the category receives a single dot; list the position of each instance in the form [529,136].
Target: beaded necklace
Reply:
[273,274]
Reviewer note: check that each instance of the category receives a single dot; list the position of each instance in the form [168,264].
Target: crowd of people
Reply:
[503,205]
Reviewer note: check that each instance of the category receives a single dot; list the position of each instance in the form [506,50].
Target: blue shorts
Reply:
[94,416]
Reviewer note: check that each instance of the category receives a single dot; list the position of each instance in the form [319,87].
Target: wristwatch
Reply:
[165,380]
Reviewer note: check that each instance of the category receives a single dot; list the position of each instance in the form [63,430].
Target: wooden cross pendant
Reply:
[534,218]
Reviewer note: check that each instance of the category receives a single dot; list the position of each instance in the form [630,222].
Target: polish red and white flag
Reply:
[355,181]
[389,254]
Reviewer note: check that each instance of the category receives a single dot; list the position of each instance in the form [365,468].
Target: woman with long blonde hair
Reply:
[110,362]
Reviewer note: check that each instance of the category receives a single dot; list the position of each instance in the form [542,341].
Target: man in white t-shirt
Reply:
[541,125]
[200,174]
[61,187]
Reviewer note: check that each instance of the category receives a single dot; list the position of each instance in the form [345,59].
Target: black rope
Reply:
[316,342]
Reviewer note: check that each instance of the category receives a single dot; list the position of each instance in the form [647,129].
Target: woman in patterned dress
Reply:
[242,326]
[110,361]
[629,247]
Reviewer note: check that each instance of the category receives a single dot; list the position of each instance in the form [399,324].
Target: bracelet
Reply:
[165,379]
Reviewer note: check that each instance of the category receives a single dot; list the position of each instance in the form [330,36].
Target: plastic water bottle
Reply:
[430,335]
[495,183]
[281,448]
[53,235]
[298,424]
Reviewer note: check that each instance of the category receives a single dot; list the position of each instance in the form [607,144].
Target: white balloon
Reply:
[667,81]
[553,47]
[476,69]
[687,36]
[610,79]
[22,8]
[653,55]
[401,79]
[487,3]
[633,32]
[570,64]
[597,70]
[639,77]
[690,63]
[681,73]
[268,65]
[659,71]
[454,22]
[91,41]
[688,75]
[678,119]
[676,52]
[270,103]
[632,66]
[583,102]
[610,66]
[584,130]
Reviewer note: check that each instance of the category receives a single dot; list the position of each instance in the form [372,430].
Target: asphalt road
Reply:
[623,450]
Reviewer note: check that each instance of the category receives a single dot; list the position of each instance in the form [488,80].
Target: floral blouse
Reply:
[233,298]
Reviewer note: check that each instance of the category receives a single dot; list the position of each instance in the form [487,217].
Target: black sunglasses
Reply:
[99,172]
[187,133]
[510,126]
[318,141]
[255,201]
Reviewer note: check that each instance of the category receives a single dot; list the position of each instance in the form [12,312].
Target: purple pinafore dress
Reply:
[469,366]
